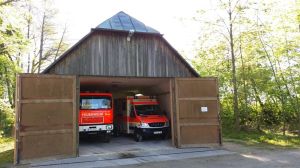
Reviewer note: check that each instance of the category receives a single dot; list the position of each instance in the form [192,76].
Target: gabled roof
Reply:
[122,21]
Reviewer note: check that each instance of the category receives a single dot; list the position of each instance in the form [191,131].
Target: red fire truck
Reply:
[140,116]
[96,114]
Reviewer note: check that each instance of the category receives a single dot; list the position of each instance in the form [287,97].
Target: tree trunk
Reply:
[9,91]
[60,43]
[234,82]
[6,2]
[258,99]
[28,37]
[244,79]
[41,43]
[296,104]
[274,71]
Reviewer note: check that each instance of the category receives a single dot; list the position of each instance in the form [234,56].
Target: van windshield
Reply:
[95,103]
[147,110]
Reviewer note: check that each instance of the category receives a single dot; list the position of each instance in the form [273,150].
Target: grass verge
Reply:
[263,138]
[6,151]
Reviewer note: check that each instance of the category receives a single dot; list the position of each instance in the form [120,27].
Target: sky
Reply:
[172,18]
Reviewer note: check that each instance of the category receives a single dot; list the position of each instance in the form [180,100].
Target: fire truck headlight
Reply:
[109,127]
[167,124]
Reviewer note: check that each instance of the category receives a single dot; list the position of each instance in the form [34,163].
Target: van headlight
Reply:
[143,125]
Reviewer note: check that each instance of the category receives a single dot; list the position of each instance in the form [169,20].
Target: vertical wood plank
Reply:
[101,54]
[97,56]
[76,91]
[17,120]
[172,110]
[177,114]
[167,65]
[128,56]
[93,43]
[106,47]
[89,57]
[137,59]
[80,60]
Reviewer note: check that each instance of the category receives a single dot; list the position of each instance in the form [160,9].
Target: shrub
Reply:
[6,119]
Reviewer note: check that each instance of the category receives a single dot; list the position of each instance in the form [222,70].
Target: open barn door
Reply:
[46,117]
[196,118]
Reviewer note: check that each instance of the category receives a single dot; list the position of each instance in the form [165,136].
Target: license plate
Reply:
[92,128]
[157,132]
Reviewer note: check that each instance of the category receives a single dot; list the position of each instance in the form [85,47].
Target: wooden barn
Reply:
[122,56]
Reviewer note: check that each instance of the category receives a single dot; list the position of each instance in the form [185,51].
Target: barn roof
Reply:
[122,21]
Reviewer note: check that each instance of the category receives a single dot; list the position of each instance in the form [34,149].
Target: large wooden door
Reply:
[197,121]
[46,117]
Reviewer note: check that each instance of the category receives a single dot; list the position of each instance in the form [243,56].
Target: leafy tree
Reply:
[12,43]
[6,118]
[263,40]
[27,35]
[47,43]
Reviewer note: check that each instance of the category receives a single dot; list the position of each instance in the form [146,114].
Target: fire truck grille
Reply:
[157,124]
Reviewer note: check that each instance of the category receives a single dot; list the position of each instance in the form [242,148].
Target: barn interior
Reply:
[120,87]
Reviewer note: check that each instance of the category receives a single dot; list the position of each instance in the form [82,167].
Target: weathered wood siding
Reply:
[46,117]
[110,54]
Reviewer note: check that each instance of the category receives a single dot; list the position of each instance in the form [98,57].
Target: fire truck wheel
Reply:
[106,138]
[138,137]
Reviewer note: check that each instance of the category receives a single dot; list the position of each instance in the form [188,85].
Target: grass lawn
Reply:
[6,151]
[264,138]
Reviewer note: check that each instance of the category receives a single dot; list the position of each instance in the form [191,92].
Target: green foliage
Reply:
[266,47]
[262,138]
[11,39]
[270,117]
[6,119]
[12,43]
[6,157]
[6,151]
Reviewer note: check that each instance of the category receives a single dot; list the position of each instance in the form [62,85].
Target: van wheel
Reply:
[138,137]
[164,136]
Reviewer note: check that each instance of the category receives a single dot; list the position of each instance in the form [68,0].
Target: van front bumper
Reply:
[153,131]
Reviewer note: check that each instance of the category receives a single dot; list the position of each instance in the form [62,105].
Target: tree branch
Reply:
[7,2]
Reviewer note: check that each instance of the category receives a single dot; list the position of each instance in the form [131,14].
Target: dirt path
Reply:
[245,157]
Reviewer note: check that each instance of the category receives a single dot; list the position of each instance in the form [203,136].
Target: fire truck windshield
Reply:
[147,110]
[95,103]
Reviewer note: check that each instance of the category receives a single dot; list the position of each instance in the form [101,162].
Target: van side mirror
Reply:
[164,113]
[132,112]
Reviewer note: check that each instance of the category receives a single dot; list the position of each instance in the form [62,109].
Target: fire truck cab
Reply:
[96,114]
[141,116]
